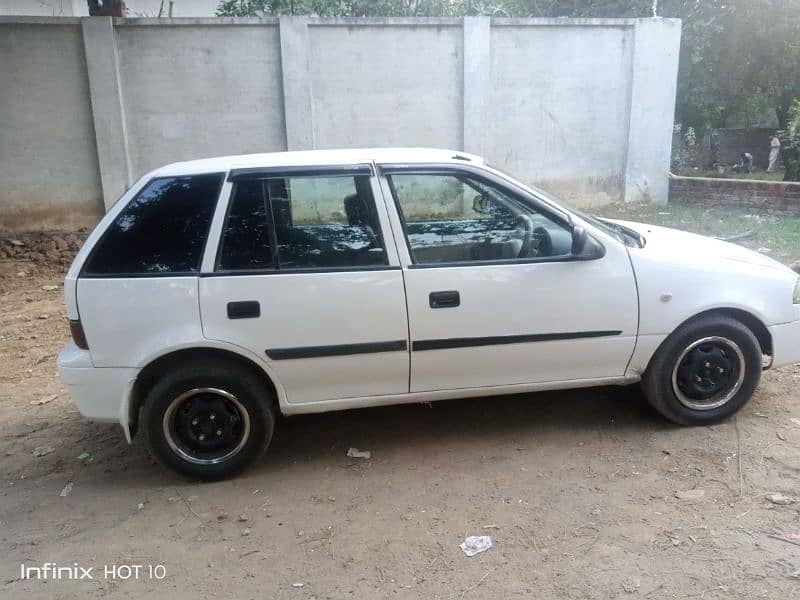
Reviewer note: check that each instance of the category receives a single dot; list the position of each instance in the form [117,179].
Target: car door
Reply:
[304,277]
[494,295]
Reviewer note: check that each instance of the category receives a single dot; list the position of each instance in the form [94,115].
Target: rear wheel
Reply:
[208,420]
[704,372]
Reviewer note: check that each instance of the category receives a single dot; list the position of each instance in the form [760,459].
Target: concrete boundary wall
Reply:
[582,107]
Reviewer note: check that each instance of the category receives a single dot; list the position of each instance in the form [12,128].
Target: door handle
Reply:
[449,299]
[247,309]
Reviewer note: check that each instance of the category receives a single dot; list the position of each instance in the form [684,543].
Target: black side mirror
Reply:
[482,205]
[584,246]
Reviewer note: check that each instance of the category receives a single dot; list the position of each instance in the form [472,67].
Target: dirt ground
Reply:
[584,493]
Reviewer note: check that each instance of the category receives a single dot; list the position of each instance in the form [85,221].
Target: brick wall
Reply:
[772,196]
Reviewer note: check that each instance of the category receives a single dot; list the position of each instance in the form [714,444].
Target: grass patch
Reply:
[775,235]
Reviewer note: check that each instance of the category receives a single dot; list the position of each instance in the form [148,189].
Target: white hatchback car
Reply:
[218,293]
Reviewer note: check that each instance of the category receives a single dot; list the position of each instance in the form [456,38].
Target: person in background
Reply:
[774,152]
[745,163]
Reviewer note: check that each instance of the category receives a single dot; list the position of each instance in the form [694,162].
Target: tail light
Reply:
[78,335]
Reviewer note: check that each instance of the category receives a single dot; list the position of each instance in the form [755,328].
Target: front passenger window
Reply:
[454,218]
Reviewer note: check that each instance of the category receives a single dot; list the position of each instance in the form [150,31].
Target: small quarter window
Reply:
[162,230]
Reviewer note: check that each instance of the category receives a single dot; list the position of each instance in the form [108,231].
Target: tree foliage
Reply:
[436,8]
[739,57]
[790,143]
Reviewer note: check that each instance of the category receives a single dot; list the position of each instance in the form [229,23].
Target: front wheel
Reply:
[208,420]
[704,372]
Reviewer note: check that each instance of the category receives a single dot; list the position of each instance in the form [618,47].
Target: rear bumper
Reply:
[785,343]
[101,394]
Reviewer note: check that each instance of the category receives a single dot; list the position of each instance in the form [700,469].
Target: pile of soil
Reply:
[46,249]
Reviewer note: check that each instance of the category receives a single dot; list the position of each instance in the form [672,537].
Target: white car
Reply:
[218,293]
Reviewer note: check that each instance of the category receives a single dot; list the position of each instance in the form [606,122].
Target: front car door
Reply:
[494,295]
[304,278]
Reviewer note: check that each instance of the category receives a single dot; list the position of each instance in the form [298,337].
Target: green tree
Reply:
[790,143]
[738,57]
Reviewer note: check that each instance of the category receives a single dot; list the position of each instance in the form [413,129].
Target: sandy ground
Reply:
[583,494]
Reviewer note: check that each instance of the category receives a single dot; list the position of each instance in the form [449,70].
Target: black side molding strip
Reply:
[420,345]
[447,343]
[336,350]
[298,171]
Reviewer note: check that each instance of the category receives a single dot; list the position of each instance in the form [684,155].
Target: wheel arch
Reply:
[748,319]
[162,364]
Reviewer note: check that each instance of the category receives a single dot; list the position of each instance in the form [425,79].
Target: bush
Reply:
[790,143]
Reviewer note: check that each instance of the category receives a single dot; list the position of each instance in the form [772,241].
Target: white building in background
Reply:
[136,8]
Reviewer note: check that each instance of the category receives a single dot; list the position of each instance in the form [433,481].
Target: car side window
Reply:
[245,241]
[325,222]
[312,222]
[457,218]
[163,230]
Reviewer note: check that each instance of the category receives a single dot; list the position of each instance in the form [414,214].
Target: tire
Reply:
[679,384]
[208,420]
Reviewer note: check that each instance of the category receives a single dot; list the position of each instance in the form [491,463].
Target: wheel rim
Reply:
[708,373]
[206,426]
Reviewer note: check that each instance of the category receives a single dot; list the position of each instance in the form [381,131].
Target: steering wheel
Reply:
[542,242]
[523,226]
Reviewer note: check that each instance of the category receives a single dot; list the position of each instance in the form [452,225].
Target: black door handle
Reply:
[449,299]
[246,309]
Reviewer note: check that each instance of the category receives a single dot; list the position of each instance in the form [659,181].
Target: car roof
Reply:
[317,158]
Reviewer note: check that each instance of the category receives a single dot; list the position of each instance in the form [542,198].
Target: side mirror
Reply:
[584,246]
[482,205]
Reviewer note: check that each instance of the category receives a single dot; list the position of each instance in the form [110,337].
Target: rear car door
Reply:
[304,277]
[494,296]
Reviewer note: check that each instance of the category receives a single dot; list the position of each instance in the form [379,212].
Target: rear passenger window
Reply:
[245,237]
[313,222]
[162,230]
[325,222]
